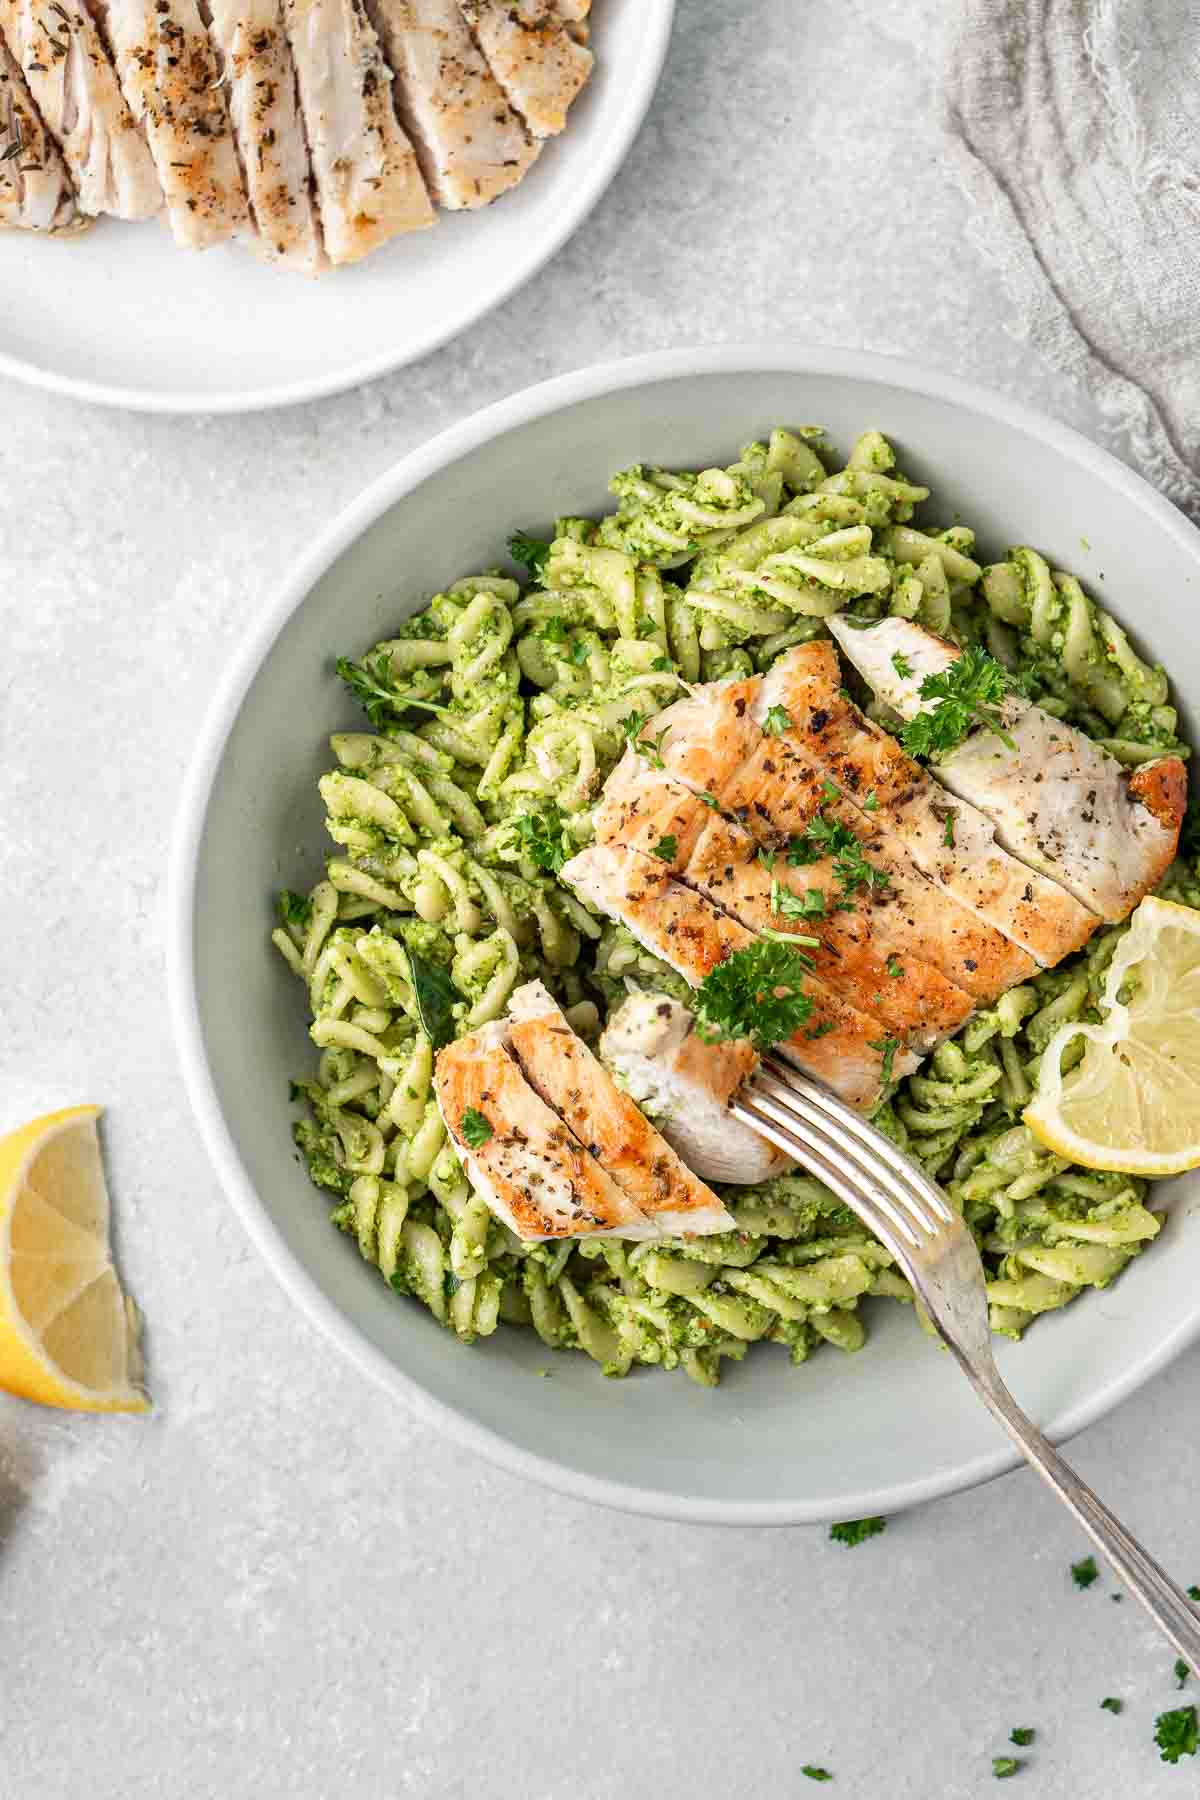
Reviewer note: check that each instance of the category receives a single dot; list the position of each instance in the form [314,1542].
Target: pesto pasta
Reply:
[492,718]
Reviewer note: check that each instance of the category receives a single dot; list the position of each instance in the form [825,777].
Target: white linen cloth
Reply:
[1074,126]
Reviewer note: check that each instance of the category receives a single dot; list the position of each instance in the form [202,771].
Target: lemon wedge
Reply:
[68,1335]
[1133,1103]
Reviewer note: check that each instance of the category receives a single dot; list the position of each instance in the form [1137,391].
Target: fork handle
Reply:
[1167,1604]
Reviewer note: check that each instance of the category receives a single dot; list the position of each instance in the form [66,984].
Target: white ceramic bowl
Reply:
[121,317]
[845,1436]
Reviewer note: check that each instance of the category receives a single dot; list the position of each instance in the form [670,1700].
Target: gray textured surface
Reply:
[279,1584]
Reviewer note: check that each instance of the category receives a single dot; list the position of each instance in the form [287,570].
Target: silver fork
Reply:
[913,1219]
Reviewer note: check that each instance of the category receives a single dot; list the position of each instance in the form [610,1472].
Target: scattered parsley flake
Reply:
[1176,1733]
[1193,1592]
[475,1128]
[895,968]
[809,905]
[756,993]
[948,829]
[579,652]
[856,1531]
[820,1030]
[968,694]
[888,1047]
[1112,1705]
[870,801]
[815,1773]
[1181,1671]
[1084,1573]
[666,848]
[710,800]
[544,839]
[1004,1766]
[663,664]
[830,791]
[554,631]
[529,551]
[777,721]
[372,683]
[1022,1734]
[902,666]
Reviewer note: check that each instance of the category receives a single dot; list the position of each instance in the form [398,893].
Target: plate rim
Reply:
[387,490]
[634,100]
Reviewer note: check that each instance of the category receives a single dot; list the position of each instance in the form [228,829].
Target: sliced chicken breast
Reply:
[703,739]
[913,999]
[369,187]
[533,1173]
[949,840]
[560,1068]
[651,1046]
[848,1049]
[264,107]
[172,84]
[36,191]
[646,809]
[1057,799]
[534,57]
[76,91]
[470,143]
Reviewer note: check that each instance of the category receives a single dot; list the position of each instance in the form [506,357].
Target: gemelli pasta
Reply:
[492,718]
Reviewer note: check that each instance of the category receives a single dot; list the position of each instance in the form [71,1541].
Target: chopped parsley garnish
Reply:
[902,666]
[435,995]
[820,1030]
[1022,1734]
[756,993]
[371,683]
[544,839]
[766,857]
[809,905]
[870,801]
[777,721]
[968,693]
[554,631]
[579,652]
[649,748]
[1176,1733]
[475,1128]
[895,968]
[823,837]
[856,1531]
[1004,1766]
[1084,1573]
[816,1774]
[1193,1592]
[294,909]
[948,830]
[1111,1704]
[888,1047]
[830,790]
[709,800]
[662,664]
[530,551]
[1181,1671]
[666,848]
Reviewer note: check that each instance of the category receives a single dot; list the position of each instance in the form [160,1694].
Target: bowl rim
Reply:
[359,515]
[634,97]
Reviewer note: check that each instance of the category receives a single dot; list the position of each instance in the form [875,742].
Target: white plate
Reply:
[846,1436]
[122,317]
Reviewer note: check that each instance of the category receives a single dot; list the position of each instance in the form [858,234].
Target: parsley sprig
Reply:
[544,838]
[1177,1733]
[476,1127]
[968,693]
[757,993]
[530,551]
[648,748]
[372,684]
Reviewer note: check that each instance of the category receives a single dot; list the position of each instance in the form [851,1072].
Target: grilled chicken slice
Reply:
[369,187]
[559,1066]
[172,84]
[855,955]
[704,739]
[533,1173]
[470,143]
[1057,799]
[534,57]
[949,840]
[36,192]
[76,91]
[651,1046]
[264,107]
[848,1049]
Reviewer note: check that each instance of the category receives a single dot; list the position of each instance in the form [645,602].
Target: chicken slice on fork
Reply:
[1057,799]
[264,107]
[76,91]
[470,143]
[369,187]
[559,1066]
[533,55]
[172,84]
[36,192]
